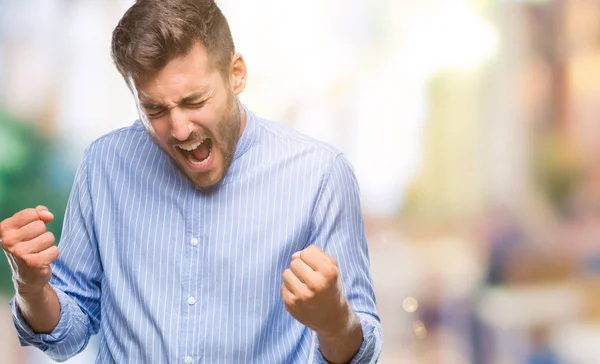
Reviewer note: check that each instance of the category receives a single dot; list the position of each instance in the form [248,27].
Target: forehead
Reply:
[182,75]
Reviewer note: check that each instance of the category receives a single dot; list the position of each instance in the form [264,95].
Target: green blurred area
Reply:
[32,173]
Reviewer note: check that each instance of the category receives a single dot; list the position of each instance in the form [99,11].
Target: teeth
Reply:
[190,146]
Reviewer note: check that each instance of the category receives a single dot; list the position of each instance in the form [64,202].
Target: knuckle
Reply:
[55,253]
[8,241]
[49,236]
[289,301]
[10,250]
[31,261]
[289,307]
[39,225]
[296,263]
[305,295]
[287,274]
[286,297]
[318,285]
[330,273]
[303,253]
[30,213]
[18,252]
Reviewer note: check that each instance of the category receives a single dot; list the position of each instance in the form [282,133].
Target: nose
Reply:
[180,125]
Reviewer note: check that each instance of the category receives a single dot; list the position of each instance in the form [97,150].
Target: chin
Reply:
[207,182]
[208,179]
[211,176]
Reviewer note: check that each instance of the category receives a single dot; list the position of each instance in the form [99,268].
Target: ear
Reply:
[238,74]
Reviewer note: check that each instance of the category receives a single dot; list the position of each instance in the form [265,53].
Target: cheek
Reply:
[159,131]
[201,116]
[207,118]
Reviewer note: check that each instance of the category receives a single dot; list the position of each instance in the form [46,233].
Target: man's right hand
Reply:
[29,248]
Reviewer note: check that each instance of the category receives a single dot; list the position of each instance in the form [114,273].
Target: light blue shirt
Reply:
[166,273]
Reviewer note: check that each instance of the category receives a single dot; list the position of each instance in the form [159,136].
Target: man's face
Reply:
[193,115]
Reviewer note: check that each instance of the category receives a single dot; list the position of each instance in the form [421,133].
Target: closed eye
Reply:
[195,105]
[156,114]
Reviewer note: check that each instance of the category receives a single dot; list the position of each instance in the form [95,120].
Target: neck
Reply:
[242,115]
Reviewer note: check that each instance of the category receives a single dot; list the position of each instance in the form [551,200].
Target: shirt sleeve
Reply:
[76,277]
[338,228]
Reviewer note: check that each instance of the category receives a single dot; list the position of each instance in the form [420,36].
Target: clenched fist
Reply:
[313,294]
[29,248]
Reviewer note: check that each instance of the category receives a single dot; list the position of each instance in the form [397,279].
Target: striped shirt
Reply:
[168,273]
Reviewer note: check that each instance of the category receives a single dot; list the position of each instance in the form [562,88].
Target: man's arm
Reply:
[343,345]
[328,286]
[56,307]
[313,294]
[30,249]
[41,310]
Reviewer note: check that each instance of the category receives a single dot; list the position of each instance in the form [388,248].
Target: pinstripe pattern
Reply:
[168,273]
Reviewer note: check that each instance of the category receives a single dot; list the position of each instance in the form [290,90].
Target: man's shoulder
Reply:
[289,139]
[131,137]
[135,130]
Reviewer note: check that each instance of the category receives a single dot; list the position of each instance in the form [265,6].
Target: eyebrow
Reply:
[151,105]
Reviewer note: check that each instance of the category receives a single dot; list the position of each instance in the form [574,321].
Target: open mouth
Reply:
[197,153]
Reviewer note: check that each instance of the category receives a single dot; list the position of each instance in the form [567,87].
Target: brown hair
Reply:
[153,32]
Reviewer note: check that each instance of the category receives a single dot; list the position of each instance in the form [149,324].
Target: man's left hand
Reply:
[313,294]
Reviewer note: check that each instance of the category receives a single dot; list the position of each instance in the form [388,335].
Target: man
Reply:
[188,233]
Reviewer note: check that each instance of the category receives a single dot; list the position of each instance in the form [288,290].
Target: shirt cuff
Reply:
[44,341]
[370,349]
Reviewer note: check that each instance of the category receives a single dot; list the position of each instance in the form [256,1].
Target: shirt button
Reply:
[191,301]
[188,360]
[194,242]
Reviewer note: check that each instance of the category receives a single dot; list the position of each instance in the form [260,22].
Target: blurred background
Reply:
[472,126]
